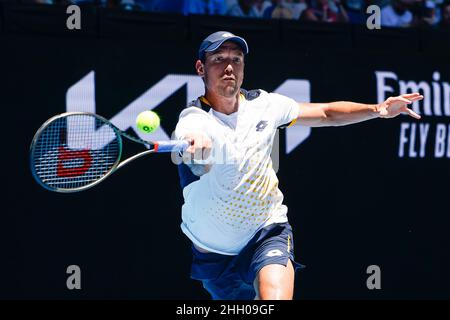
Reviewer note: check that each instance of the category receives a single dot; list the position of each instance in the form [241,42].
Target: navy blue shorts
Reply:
[231,277]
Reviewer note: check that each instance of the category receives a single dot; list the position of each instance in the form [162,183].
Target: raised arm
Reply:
[344,112]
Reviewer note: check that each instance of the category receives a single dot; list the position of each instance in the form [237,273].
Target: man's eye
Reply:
[237,60]
[218,59]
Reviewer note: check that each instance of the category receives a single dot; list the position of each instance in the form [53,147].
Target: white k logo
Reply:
[81,97]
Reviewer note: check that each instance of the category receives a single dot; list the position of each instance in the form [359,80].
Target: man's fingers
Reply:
[400,99]
[206,153]
[188,154]
[199,149]
[189,149]
[419,97]
[207,148]
[198,146]
[411,95]
[412,113]
[208,143]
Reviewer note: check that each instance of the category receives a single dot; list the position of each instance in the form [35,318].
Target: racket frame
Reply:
[117,164]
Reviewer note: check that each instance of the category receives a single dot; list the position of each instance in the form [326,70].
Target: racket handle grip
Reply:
[171,146]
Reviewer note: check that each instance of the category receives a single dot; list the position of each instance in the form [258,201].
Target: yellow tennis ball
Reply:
[147,121]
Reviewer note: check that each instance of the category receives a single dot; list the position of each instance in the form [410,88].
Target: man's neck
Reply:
[226,105]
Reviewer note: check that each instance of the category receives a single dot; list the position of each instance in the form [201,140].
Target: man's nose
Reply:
[229,68]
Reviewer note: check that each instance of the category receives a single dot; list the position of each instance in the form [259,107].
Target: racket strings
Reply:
[75,151]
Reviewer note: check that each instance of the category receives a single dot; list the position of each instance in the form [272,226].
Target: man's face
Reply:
[224,69]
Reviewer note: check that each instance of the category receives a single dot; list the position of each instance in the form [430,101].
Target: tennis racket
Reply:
[75,151]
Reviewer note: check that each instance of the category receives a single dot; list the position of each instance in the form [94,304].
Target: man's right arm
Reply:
[192,127]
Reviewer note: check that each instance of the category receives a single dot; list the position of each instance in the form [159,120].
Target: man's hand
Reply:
[197,154]
[393,106]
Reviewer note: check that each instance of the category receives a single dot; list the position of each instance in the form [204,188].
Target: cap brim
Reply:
[241,42]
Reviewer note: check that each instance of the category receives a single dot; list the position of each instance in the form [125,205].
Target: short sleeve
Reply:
[285,109]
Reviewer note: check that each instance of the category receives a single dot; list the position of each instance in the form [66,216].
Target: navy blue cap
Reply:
[215,40]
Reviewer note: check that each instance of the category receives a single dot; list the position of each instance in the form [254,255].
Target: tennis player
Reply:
[233,210]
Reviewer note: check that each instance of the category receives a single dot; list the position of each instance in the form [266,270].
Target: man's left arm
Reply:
[343,112]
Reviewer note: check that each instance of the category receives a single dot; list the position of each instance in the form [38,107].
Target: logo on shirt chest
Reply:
[261,125]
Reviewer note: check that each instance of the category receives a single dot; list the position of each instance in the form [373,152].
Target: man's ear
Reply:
[200,68]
